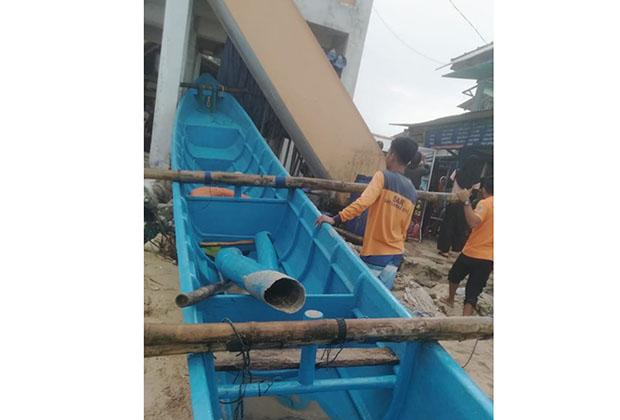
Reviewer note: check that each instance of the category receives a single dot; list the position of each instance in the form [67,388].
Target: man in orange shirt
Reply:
[390,198]
[476,259]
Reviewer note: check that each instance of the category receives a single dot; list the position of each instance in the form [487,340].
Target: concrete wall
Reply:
[347,21]
[348,16]
[205,23]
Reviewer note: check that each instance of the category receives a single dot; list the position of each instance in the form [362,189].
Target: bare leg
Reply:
[468,309]
[451,294]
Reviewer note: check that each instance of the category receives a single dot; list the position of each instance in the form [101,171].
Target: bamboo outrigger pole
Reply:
[202,177]
[348,236]
[168,339]
[202,293]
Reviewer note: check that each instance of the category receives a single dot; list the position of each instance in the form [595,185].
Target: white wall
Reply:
[351,17]
[206,24]
[179,49]
[348,16]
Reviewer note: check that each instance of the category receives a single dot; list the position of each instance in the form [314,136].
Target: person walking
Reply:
[390,198]
[454,229]
[476,260]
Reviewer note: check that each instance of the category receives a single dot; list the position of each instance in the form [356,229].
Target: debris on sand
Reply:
[426,282]
[419,299]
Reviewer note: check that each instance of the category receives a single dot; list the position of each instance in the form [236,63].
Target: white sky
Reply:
[395,85]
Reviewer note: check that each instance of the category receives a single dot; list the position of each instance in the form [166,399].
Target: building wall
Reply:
[348,16]
[341,24]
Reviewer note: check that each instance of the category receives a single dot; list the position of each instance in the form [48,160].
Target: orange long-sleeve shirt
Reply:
[390,199]
[480,242]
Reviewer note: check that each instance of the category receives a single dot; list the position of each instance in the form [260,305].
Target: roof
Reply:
[476,64]
[456,131]
[477,71]
[469,55]
[472,54]
[467,116]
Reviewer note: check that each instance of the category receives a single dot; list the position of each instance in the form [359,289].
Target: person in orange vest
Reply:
[476,259]
[390,198]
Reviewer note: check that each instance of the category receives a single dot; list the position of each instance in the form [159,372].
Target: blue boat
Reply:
[213,133]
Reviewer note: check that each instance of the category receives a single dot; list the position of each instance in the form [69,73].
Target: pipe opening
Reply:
[286,294]
[182,300]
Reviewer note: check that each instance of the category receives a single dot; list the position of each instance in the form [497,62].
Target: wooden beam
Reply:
[289,359]
[202,293]
[348,236]
[202,177]
[163,339]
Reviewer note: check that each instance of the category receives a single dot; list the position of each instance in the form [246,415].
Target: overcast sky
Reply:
[395,84]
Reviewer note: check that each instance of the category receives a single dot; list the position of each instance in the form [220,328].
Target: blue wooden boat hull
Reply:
[427,384]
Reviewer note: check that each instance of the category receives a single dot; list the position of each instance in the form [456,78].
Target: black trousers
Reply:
[478,270]
[454,229]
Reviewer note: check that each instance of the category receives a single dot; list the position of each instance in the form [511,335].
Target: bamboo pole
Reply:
[289,359]
[167,339]
[351,237]
[191,298]
[202,177]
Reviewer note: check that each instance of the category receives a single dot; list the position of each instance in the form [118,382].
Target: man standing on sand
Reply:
[390,198]
[454,229]
[476,259]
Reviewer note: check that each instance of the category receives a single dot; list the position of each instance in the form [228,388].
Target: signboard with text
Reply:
[456,135]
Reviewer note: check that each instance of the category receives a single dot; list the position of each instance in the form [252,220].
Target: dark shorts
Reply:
[478,271]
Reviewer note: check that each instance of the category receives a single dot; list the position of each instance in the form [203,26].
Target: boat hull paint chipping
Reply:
[301,86]
[427,384]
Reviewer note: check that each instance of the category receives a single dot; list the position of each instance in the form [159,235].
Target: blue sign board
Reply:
[466,133]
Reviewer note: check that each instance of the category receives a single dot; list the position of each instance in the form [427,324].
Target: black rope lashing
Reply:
[340,339]
[245,373]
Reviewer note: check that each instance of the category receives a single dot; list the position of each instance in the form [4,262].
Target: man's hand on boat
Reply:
[324,219]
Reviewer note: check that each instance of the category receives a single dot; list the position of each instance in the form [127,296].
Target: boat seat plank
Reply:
[289,359]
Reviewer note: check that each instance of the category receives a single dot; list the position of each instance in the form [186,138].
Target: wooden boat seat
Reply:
[289,359]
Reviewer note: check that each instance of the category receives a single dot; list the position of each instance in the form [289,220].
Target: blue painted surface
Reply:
[294,387]
[265,252]
[307,361]
[250,275]
[429,383]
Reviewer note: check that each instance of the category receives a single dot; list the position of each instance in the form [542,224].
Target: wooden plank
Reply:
[302,88]
[289,359]
[348,236]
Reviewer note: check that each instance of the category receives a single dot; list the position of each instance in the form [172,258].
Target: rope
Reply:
[245,373]
[471,355]
[342,335]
